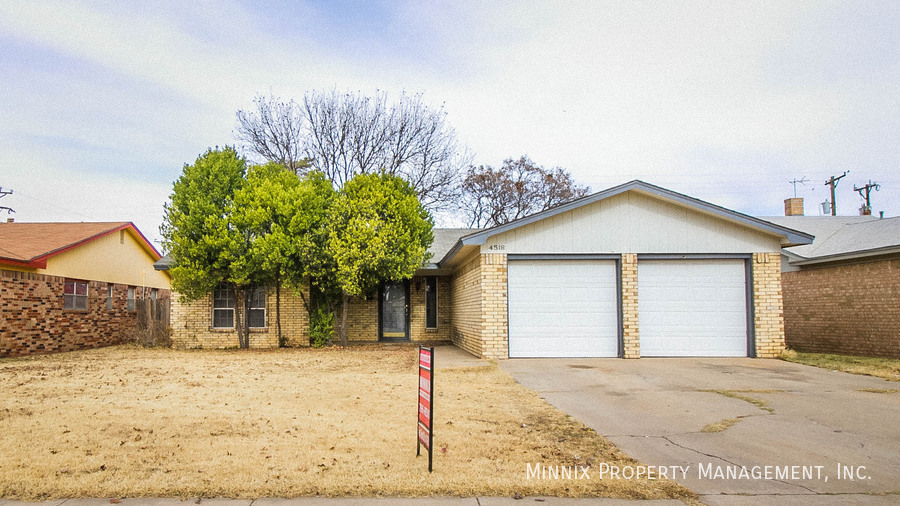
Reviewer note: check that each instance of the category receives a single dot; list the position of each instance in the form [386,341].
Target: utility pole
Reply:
[833,182]
[866,189]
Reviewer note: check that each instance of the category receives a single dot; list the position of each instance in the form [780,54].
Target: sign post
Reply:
[426,402]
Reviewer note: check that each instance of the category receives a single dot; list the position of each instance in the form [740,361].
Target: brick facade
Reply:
[494,314]
[848,309]
[479,306]
[768,309]
[630,331]
[465,307]
[479,311]
[362,321]
[33,321]
[192,324]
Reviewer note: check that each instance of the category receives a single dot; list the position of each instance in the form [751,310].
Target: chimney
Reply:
[793,206]
[865,210]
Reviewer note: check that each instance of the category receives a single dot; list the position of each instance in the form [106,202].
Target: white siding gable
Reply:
[632,222]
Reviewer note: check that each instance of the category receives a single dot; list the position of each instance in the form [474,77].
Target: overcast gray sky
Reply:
[102,103]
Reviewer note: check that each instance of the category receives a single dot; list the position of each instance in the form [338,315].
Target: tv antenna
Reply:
[794,182]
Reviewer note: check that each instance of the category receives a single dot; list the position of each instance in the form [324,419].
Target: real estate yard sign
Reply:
[426,404]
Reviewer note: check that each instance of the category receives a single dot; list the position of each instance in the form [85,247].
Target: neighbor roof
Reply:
[31,244]
[793,237]
[842,237]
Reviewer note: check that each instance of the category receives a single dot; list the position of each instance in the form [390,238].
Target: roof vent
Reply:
[10,220]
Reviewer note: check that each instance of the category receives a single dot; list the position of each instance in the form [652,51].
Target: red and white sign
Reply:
[426,411]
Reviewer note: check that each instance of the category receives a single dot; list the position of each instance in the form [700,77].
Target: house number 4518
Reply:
[497,247]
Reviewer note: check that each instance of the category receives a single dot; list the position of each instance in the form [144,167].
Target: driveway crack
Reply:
[733,463]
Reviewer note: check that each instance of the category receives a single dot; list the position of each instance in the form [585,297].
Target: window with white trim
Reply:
[223,308]
[75,295]
[109,297]
[129,302]
[257,307]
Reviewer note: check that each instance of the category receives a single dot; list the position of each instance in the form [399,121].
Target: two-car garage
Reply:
[632,271]
[571,307]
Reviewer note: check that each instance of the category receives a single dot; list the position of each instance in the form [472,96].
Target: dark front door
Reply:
[393,321]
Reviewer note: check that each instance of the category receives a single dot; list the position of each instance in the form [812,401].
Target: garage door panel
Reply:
[692,308]
[564,308]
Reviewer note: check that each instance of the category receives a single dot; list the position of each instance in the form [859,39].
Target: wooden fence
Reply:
[152,319]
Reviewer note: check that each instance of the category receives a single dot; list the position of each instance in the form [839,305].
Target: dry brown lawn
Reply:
[885,368]
[131,422]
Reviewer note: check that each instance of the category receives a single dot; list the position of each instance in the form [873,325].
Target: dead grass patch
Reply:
[131,422]
[720,426]
[739,394]
[879,390]
[885,368]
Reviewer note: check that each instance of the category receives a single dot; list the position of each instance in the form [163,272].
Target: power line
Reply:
[3,193]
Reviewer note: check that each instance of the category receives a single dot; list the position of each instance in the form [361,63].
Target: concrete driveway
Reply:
[791,415]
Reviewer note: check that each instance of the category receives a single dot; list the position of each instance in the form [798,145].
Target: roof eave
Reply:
[790,236]
[33,263]
[887,250]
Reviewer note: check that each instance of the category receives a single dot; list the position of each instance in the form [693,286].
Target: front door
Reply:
[393,321]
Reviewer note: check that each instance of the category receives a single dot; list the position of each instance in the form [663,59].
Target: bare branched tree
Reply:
[519,188]
[344,134]
[350,134]
[3,193]
[274,131]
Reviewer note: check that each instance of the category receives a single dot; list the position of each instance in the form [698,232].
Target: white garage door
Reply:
[563,308]
[692,308]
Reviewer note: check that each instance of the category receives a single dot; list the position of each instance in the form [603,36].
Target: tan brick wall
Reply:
[849,309]
[494,306]
[768,317]
[362,321]
[465,300]
[417,330]
[192,324]
[630,331]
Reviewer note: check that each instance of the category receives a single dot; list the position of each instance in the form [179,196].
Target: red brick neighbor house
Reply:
[69,286]
[842,291]
[632,271]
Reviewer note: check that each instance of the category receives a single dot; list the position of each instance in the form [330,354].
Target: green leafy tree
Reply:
[377,231]
[199,233]
[283,217]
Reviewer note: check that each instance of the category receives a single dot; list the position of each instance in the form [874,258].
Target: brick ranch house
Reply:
[69,286]
[632,271]
[842,292]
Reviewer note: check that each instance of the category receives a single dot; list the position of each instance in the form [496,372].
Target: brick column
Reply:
[768,318]
[630,334]
[494,309]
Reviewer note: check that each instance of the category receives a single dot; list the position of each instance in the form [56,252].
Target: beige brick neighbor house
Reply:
[632,271]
